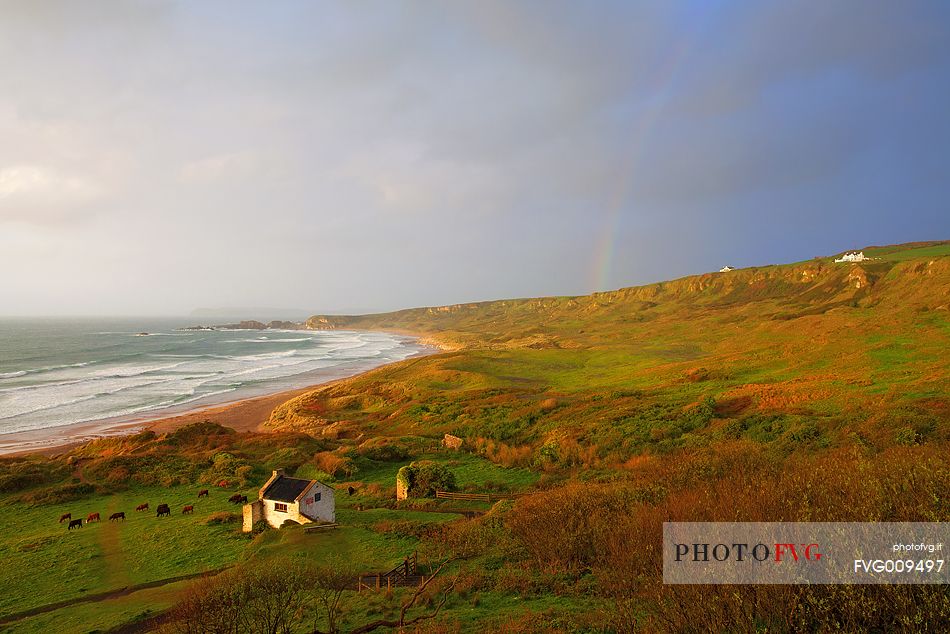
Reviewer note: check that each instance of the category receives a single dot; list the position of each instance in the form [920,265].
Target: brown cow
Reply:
[142,507]
[64,517]
[237,498]
[188,509]
[163,511]
[74,524]
[223,483]
[117,516]
[203,493]
[93,517]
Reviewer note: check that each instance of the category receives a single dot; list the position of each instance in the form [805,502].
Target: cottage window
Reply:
[316,498]
[281,508]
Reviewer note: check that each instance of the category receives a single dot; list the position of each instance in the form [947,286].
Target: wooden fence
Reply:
[404,574]
[477,497]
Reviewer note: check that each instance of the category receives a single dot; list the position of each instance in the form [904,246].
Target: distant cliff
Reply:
[914,276]
[252,324]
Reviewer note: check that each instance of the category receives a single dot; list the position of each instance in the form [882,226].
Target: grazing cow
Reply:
[236,498]
[188,509]
[163,511]
[74,524]
[64,517]
[142,507]
[117,516]
[203,493]
[350,490]
[93,517]
[243,500]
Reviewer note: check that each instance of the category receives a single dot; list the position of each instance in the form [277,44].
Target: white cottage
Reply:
[856,256]
[283,498]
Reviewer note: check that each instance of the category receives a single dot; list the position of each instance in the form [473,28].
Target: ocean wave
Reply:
[50,368]
[47,407]
[269,340]
[262,357]
[177,373]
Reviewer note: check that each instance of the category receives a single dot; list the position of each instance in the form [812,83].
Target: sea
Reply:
[56,371]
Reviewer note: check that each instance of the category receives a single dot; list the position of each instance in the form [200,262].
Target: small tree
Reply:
[254,599]
[426,477]
[328,582]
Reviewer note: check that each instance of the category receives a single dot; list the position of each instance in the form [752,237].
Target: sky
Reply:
[157,157]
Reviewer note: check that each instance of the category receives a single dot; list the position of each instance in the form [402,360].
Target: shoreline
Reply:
[246,414]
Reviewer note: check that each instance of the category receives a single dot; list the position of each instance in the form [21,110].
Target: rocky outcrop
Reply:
[253,324]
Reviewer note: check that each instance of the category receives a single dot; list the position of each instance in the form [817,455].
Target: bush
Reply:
[388,452]
[336,465]
[223,517]
[18,474]
[58,494]
[423,479]
[907,436]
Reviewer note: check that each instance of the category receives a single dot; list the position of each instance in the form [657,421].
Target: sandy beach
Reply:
[247,414]
[244,415]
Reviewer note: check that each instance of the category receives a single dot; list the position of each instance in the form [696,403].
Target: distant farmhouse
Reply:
[855,256]
[283,498]
[726,269]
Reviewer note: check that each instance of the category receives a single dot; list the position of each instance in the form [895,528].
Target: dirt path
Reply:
[116,574]
[102,596]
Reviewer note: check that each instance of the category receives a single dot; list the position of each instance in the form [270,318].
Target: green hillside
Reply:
[814,354]
[812,391]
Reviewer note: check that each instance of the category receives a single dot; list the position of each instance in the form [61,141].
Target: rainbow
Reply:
[606,244]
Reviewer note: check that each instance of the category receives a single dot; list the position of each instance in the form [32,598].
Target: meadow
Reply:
[805,392]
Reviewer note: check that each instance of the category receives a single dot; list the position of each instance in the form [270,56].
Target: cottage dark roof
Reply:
[285,489]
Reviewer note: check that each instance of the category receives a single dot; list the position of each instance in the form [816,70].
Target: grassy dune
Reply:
[809,355]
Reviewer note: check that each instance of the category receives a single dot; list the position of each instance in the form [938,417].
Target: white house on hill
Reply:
[283,498]
[726,269]
[856,256]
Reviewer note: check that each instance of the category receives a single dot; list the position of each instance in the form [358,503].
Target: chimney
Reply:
[278,472]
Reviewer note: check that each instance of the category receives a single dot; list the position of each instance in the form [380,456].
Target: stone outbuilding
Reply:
[284,498]
[452,442]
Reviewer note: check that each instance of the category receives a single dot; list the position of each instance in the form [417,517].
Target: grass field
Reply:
[813,391]
[108,555]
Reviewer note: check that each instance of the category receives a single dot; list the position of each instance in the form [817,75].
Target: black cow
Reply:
[74,524]
[117,516]
[163,511]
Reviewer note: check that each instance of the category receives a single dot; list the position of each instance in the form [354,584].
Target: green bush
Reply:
[389,452]
[423,479]
[907,436]
[58,494]
[18,474]
[431,477]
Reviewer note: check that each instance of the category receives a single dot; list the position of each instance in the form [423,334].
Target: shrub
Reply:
[336,465]
[907,436]
[388,452]
[223,517]
[58,494]
[423,479]
[18,474]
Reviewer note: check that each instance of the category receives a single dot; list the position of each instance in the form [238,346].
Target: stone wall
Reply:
[253,513]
